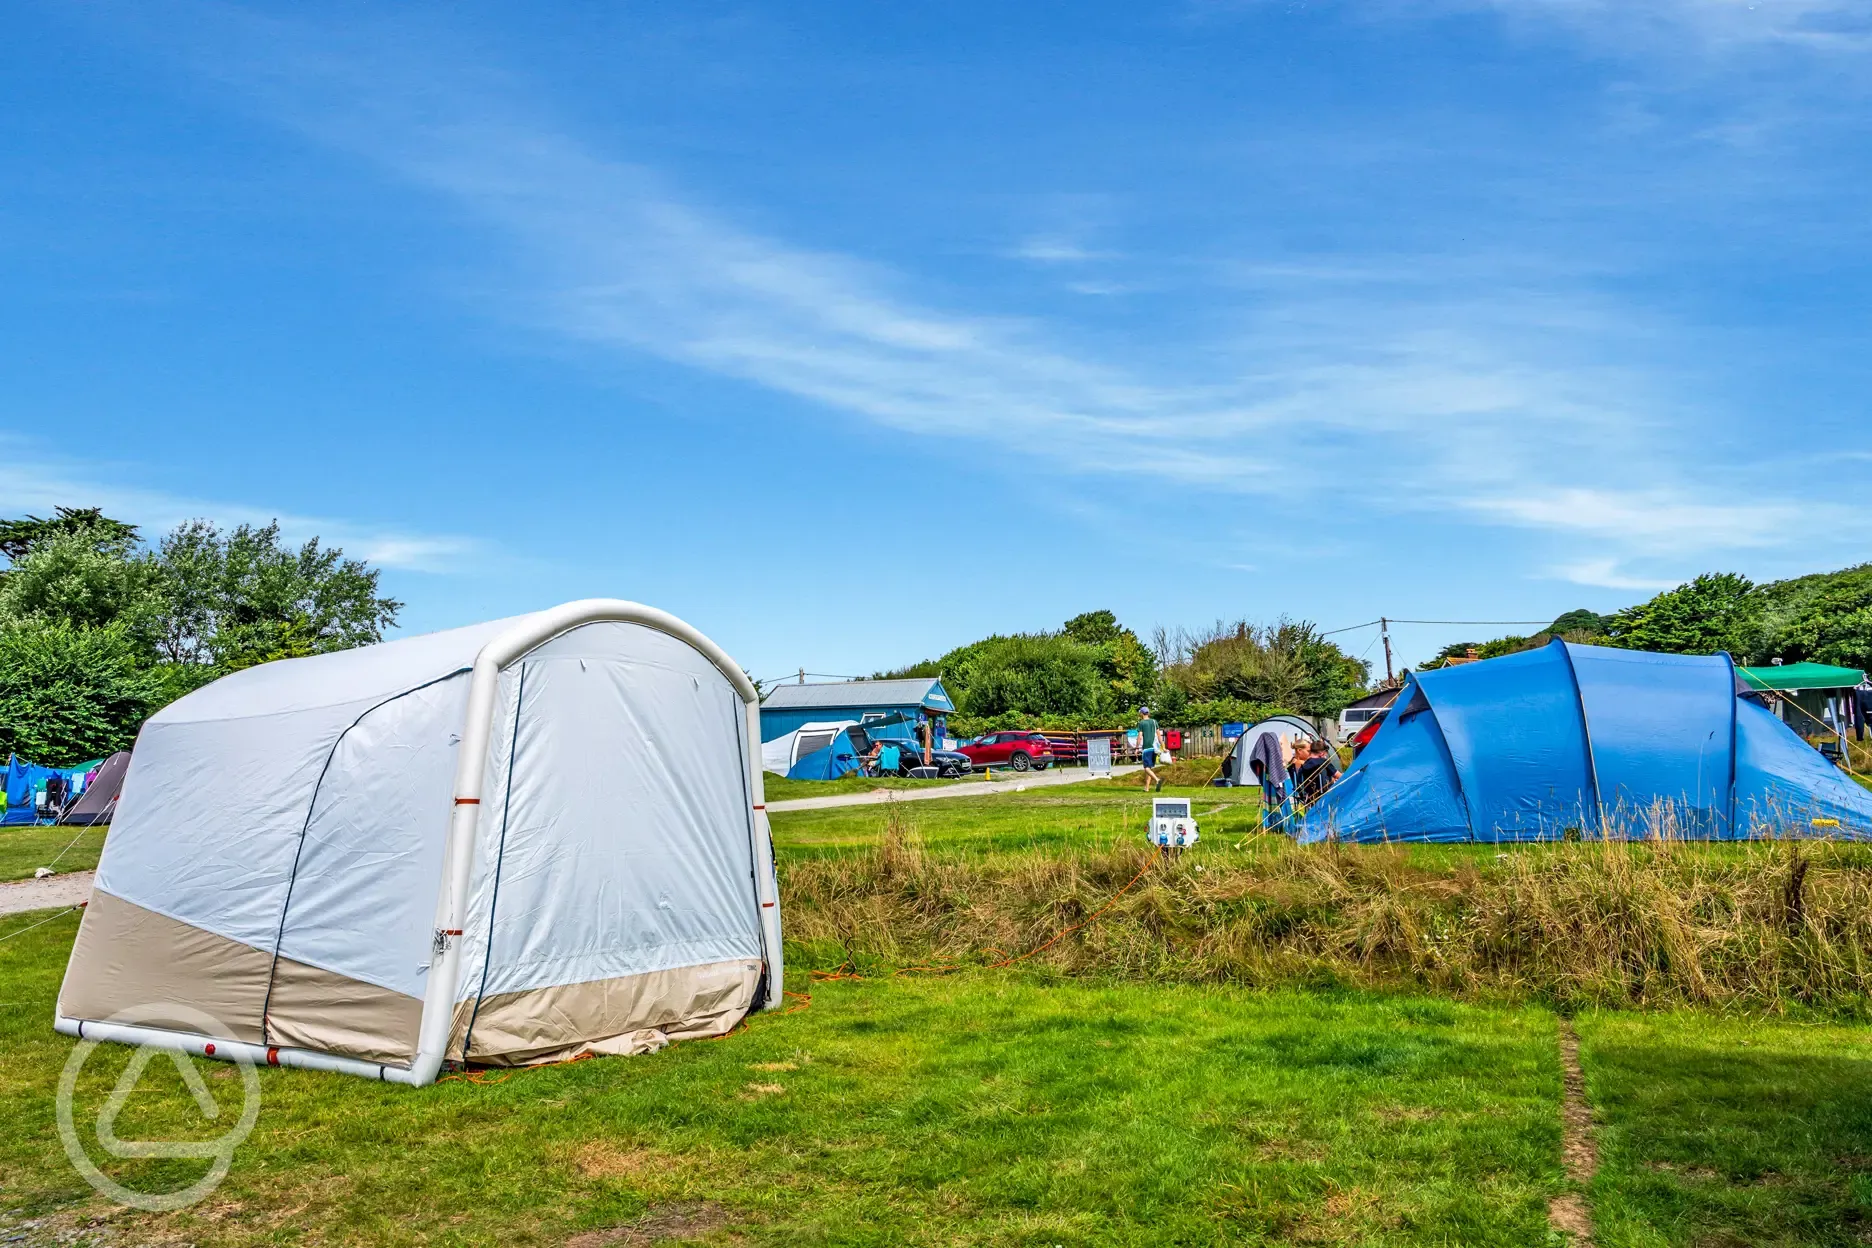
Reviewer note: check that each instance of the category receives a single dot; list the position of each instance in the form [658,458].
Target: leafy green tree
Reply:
[1127,665]
[19,536]
[242,597]
[1283,666]
[70,693]
[1038,674]
[1826,617]
[1718,611]
[1579,621]
[87,578]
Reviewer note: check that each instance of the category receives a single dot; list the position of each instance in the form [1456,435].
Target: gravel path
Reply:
[55,890]
[974,788]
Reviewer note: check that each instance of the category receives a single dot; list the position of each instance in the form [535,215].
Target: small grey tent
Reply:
[99,800]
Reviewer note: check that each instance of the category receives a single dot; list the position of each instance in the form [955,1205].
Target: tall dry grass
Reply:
[1764,925]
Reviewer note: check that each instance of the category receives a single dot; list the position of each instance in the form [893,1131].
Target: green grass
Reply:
[1721,1131]
[24,850]
[1036,1107]
[1068,816]
[990,1109]
[781,789]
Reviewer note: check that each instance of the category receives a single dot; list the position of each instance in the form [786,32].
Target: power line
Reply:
[1392,619]
[1472,621]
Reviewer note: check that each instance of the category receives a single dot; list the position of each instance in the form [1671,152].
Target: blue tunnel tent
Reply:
[1591,741]
[839,757]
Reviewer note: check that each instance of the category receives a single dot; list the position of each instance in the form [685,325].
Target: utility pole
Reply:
[802,671]
[1384,630]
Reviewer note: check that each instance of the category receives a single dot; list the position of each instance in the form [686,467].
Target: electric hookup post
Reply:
[1172,827]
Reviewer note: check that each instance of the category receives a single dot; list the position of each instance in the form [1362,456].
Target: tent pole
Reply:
[438,1012]
[1735,683]
[766,886]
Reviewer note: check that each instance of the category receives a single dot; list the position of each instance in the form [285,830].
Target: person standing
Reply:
[1147,745]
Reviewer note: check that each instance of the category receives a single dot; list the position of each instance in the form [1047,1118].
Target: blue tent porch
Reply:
[1572,740]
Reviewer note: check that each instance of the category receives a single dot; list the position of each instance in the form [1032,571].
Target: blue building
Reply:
[886,708]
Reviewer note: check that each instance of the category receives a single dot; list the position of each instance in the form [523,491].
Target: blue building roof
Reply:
[924,691]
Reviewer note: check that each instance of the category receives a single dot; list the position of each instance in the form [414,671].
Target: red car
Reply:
[1019,750]
[1370,730]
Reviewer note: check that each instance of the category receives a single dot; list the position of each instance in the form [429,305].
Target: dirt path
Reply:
[975,788]
[55,890]
[1568,1212]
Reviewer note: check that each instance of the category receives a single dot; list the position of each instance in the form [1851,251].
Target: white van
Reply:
[1354,718]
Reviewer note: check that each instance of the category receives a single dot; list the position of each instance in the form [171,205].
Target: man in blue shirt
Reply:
[1147,743]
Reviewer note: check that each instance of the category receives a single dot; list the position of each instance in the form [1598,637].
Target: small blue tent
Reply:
[840,758]
[1589,741]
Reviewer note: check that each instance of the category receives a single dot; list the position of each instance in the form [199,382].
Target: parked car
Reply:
[1019,750]
[1354,720]
[948,763]
[1363,736]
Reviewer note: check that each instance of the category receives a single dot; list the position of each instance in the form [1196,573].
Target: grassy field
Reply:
[781,789]
[1730,1131]
[993,1109]
[24,850]
[1261,1043]
[999,1108]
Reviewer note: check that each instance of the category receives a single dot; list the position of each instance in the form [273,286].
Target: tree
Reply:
[70,693]
[244,597]
[1282,666]
[1825,617]
[1718,611]
[19,536]
[1579,621]
[1127,665]
[86,578]
[96,631]
[1028,674]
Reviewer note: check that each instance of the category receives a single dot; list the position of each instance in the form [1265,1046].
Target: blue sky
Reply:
[1438,309]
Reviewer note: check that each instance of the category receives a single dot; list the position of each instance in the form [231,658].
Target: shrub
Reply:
[69,693]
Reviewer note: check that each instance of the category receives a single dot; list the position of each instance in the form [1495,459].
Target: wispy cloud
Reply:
[1607,574]
[33,483]
[1635,27]
[1659,521]
[1527,408]
[1821,25]
[1054,250]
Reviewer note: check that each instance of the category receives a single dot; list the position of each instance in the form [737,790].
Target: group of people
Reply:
[1293,773]
[1313,769]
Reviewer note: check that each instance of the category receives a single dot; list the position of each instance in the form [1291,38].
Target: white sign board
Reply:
[1098,756]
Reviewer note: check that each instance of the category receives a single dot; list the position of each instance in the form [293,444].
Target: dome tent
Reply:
[1587,740]
[505,843]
